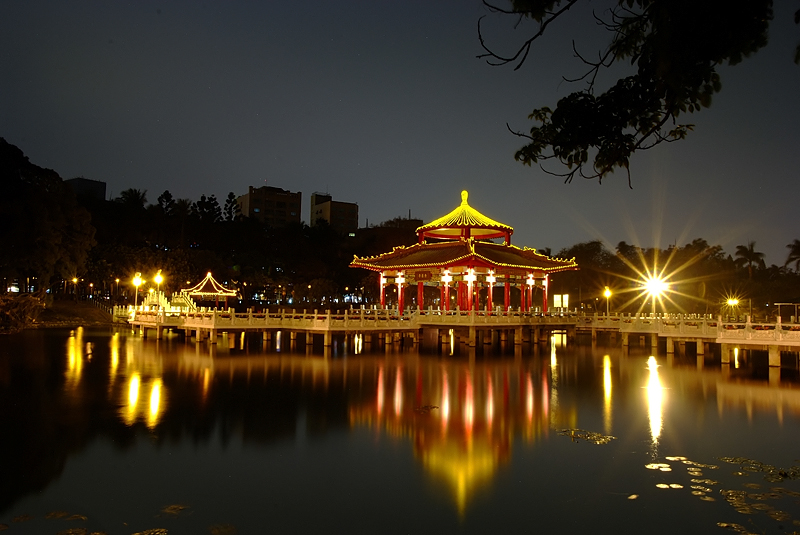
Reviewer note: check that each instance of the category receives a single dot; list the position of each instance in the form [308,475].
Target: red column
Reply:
[446,298]
[544,294]
[507,294]
[523,296]
[420,295]
[400,298]
[489,297]
[382,282]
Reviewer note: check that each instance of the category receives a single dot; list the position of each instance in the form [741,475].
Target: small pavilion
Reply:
[462,259]
[209,289]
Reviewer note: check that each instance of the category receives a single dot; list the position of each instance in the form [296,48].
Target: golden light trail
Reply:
[552,405]
[489,401]
[655,398]
[75,354]
[380,390]
[607,394]
[445,401]
[133,399]
[398,392]
[155,404]
[469,405]
[529,397]
[206,382]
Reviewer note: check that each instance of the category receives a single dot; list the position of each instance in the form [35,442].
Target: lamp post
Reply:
[655,286]
[116,294]
[137,281]
[158,278]
[75,286]
[607,293]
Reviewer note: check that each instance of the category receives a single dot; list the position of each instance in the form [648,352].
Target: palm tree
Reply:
[133,198]
[746,255]
[794,254]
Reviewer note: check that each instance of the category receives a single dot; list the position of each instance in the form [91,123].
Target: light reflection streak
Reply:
[452,342]
[133,399]
[607,394]
[469,406]
[74,358]
[380,390]
[736,357]
[398,392]
[489,402]
[655,397]
[529,398]
[445,401]
[358,343]
[206,382]
[155,403]
[553,403]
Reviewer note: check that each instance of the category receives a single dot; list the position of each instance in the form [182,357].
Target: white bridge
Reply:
[520,326]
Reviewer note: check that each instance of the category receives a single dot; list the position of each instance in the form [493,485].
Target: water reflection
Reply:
[464,417]
[607,414]
[655,398]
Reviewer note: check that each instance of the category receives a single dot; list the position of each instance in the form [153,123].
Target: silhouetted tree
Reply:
[746,255]
[166,203]
[232,210]
[46,233]
[673,49]
[794,251]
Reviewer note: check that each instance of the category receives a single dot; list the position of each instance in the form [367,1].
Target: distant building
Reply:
[85,188]
[274,206]
[341,216]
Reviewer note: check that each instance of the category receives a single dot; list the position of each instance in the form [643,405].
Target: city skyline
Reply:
[386,106]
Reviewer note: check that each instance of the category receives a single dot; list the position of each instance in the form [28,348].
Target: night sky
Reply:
[383,104]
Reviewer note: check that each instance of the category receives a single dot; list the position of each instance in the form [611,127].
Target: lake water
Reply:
[104,431]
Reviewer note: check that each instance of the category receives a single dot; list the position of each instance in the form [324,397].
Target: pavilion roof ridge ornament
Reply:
[465,222]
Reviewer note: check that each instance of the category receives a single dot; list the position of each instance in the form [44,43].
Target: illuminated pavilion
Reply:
[209,289]
[464,258]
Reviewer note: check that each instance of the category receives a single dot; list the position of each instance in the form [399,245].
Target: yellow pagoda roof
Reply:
[506,258]
[465,221]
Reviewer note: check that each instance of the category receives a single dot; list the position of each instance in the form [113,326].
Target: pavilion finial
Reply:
[464,195]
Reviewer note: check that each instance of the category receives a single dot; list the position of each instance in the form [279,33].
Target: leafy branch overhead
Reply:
[673,48]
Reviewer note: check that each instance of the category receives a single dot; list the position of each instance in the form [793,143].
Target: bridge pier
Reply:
[624,339]
[670,346]
[774,356]
[725,353]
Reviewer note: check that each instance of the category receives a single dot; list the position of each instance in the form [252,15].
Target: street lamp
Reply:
[158,278]
[607,293]
[75,286]
[116,294]
[137,281]
[655,286]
